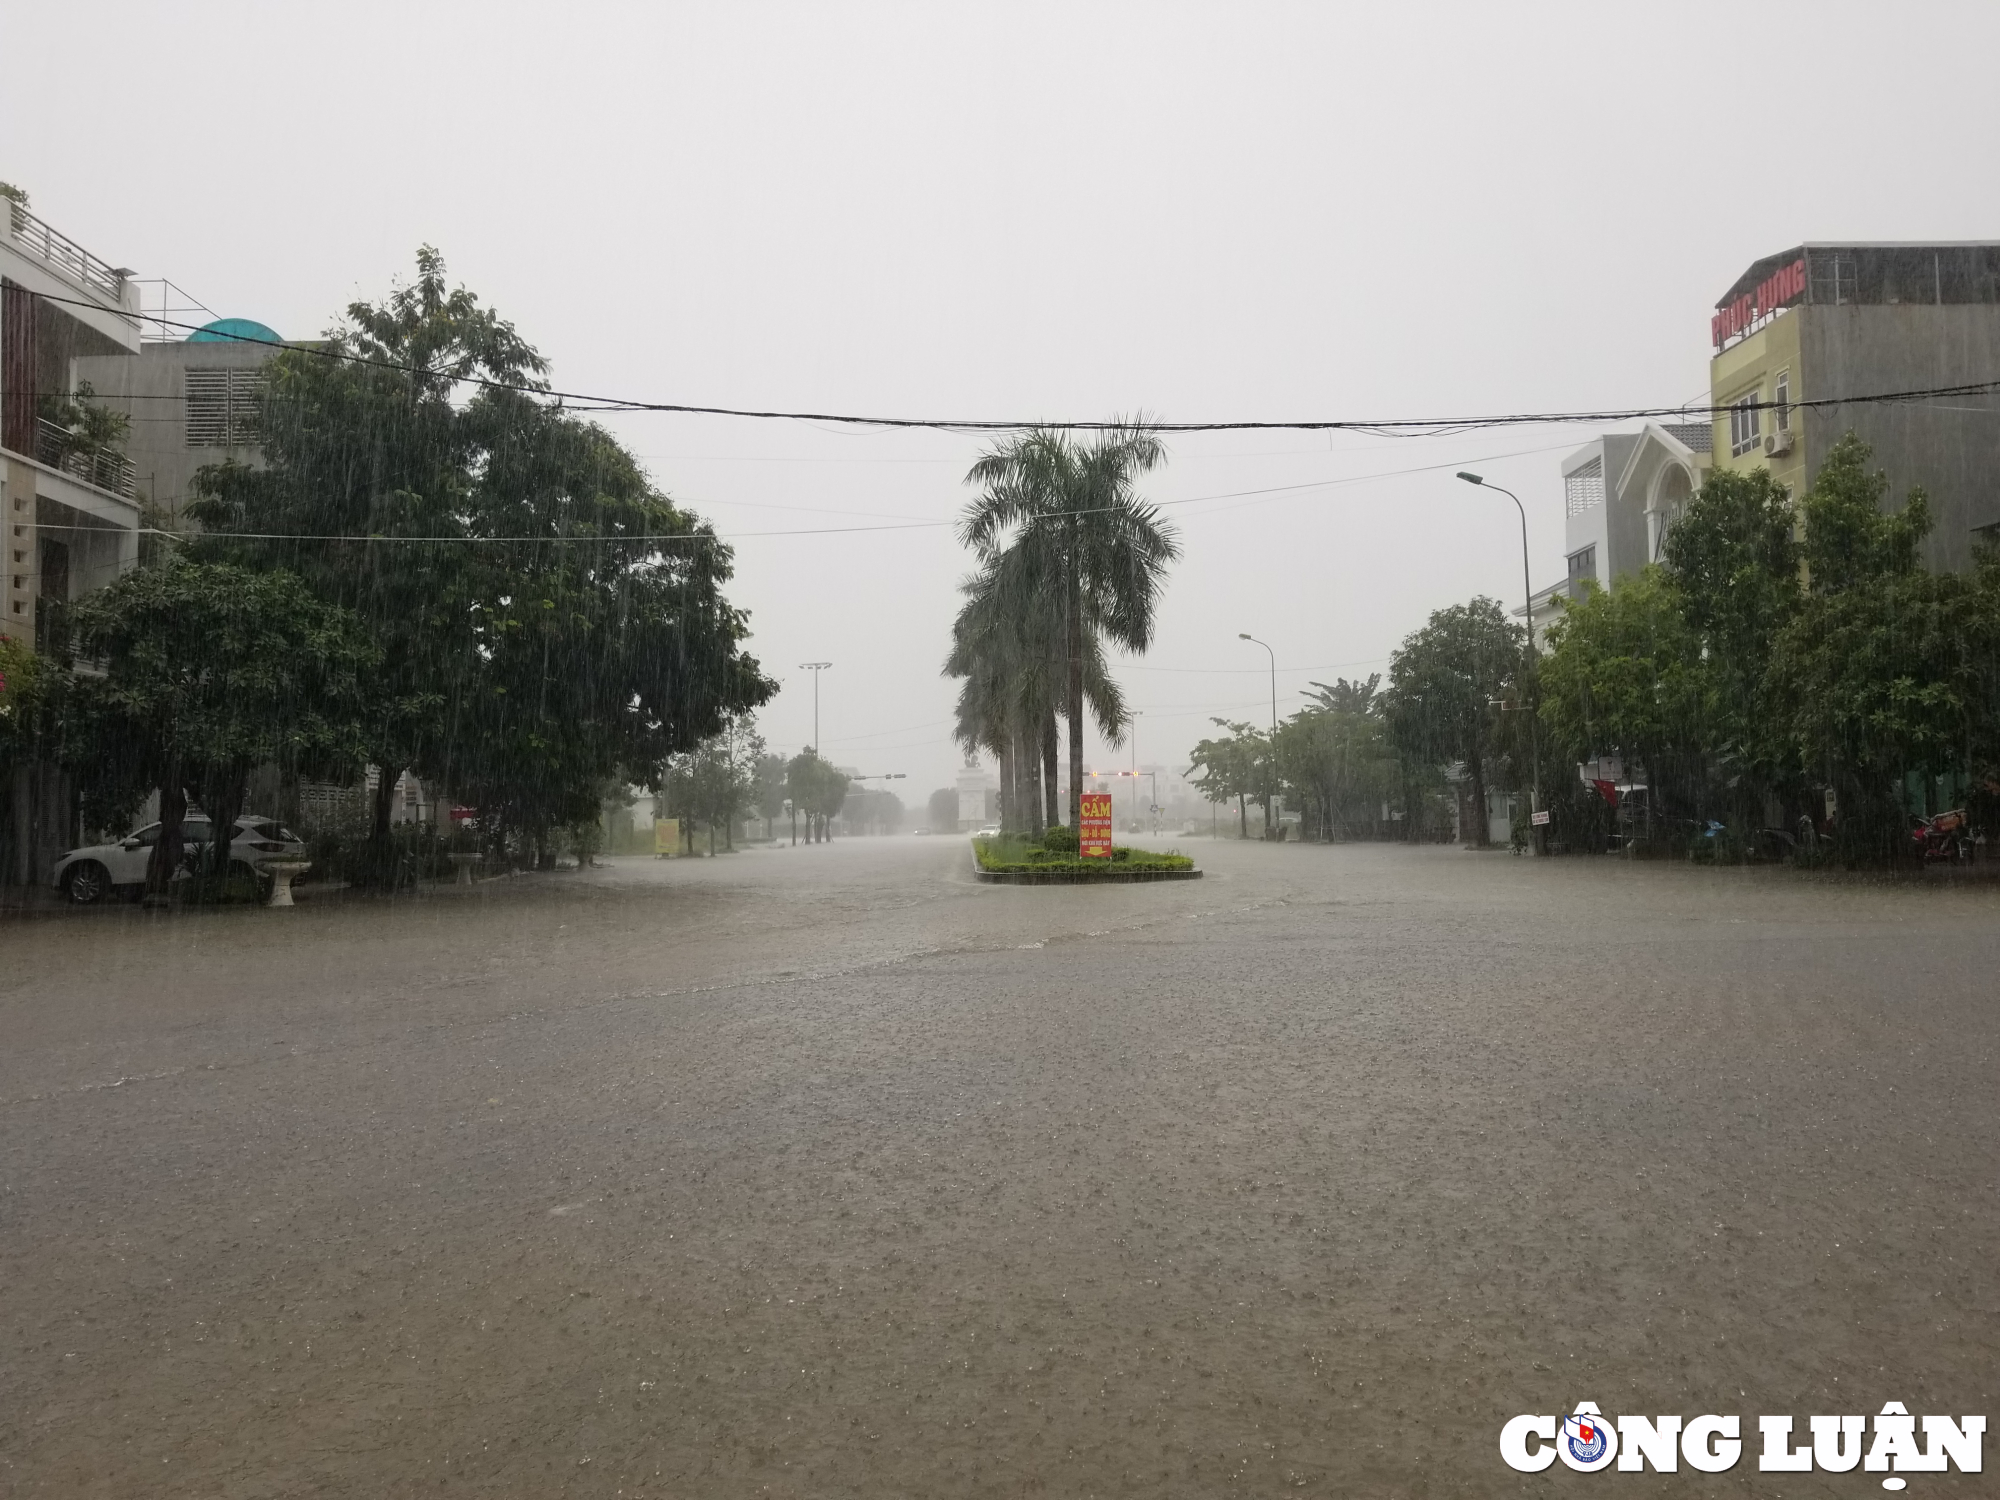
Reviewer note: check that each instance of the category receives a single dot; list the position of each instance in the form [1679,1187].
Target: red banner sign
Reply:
[1094,837]
[1781,289]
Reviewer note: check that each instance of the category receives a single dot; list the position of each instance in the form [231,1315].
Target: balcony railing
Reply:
[106,468]
[65,255]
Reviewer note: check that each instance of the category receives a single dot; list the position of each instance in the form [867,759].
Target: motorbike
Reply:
[1948,836]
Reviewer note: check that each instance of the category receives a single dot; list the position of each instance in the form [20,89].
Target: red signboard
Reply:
[1094,837]
[1780,289]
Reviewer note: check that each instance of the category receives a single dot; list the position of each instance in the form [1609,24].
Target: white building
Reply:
[71,519]
[1622,493]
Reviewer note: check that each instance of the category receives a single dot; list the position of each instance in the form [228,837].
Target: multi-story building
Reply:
[1621,493]
[1833,324]
[70,513]
[72,517]
[73,511]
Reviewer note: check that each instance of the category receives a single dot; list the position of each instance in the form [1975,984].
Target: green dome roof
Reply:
[234,331]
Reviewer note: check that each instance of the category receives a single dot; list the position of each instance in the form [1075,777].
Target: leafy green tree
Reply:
[942,810]
[1734,561]
[1335,755]
[1886,671]
[1625,675]
[210,671]
[1443,684]
[547,618]
[370,451]
[818,790]
[1233,765]
[1102,551]
[768,788]
[1851,537]
[23,686]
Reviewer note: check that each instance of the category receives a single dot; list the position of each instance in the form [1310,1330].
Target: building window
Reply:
[1582,568]
[1744,434]
[1784,401]
[1584,487]
[222,407]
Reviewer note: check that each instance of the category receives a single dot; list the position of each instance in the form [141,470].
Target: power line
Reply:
[1388,426]
[707,536]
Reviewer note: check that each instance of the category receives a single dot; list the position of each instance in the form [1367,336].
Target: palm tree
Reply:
[1008,645]
[1073,509]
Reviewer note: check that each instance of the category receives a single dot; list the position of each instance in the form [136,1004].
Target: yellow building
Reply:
[1804,339]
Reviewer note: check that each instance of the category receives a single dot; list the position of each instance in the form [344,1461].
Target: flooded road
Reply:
[830,1172]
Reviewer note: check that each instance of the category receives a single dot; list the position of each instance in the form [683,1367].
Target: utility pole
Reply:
[1243,636]
[815,667]
[1135,764]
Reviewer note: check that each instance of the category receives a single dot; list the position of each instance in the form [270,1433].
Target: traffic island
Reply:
[1017,862]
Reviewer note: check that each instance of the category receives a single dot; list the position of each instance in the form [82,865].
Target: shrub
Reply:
[1060,839]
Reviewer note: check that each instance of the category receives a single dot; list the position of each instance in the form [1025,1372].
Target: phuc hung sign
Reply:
[1093,837]
[1779,290]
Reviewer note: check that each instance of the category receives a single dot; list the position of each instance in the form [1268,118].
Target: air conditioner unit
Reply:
[1778,444]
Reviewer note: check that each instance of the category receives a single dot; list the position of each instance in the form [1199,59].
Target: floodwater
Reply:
[830,1172]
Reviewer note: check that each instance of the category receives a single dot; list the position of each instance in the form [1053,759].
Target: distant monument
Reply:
[973,787]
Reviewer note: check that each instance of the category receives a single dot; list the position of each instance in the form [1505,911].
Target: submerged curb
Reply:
[1076,877]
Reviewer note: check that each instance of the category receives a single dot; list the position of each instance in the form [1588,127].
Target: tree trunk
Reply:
[168,847]
[1033,789]
[1242,817]
[795,828]
[381,860]
[1476,768]
[385,801]
[1051,754]
[1075,634]
[1008,817]
[224,796]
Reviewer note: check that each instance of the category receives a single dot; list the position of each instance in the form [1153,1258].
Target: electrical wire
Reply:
[1387,427]
[704,536]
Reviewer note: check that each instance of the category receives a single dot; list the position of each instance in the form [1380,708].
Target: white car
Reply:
[88,876]
[990,831]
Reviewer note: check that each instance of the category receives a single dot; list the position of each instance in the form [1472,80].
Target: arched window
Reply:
[1672,489]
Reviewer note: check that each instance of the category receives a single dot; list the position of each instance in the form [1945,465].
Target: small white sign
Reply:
[1540,819]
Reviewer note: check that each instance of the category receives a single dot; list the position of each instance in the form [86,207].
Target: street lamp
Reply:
[1246,636]
[815,667]
[1528,614]
[1137,714]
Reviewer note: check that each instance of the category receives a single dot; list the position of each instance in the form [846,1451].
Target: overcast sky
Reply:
[1204,212]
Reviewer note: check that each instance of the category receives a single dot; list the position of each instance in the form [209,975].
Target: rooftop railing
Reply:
[65,255]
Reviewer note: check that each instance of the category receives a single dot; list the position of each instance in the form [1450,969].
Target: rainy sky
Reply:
[1011,211]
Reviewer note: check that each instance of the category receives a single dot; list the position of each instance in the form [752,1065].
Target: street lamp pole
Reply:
[1527,614]
[815,667]
[1245,636]
[1137,714]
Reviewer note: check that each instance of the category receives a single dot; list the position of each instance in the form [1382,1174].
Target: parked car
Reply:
[88,876]
[990,831]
